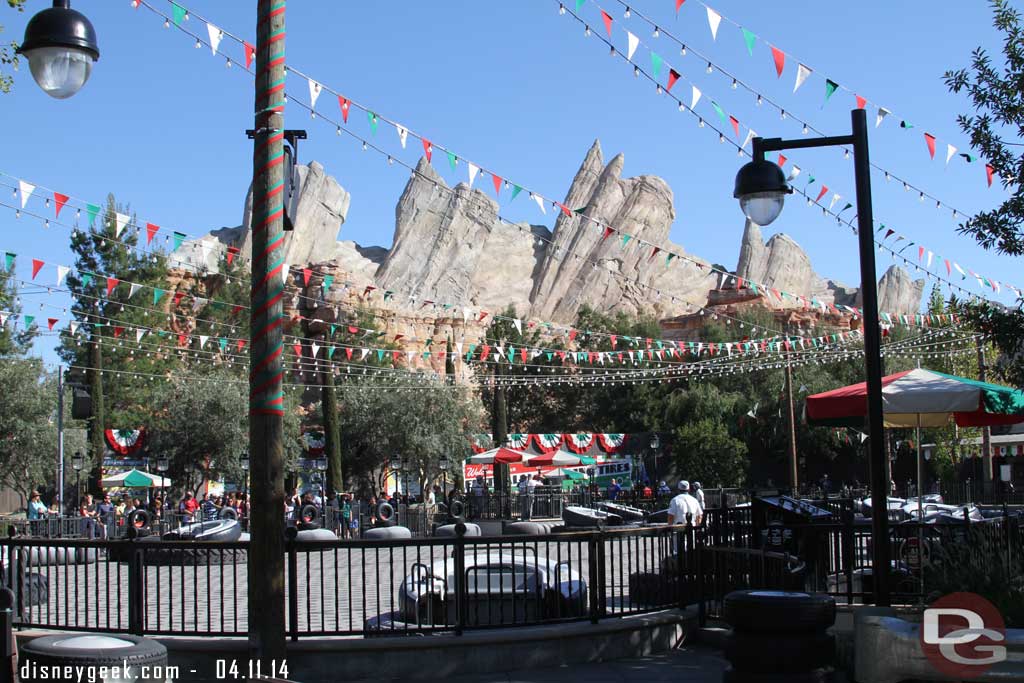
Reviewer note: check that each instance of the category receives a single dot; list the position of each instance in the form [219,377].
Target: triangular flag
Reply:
[860,101]
[656,62]
[452,160]
[473,170]
[824,189]
[29,319]
[779,57]
[497,184]
[714,19]
[120,221]
[178,12]
[139,334]
[882,113]
[835,198]
[50,322]
[157,294]
[989,172]
[179,237]
[328,281]
[830,88]
[735,125]
[950,151]
[314,92]
[62,272]
[782,160]
[633,41]
[403,134]
[751,134]
[215,36]
[540,202]
[134,288]
[515,191]
[694,96]
[519,325]
[802,73]
[250,53]
[151,231]
[59,200]
[372,118]
[231,254]
[92,210]
[306,274]
[930,140]
[719,110]
[111,283]
[344,104]
[606,18]
[73,326]
[749,38]
[679,3]
[428,149]
[673,76]
[26,190]
[36,266]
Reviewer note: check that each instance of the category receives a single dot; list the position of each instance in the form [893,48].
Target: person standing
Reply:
[614,489]
[36,513]
[187,507]
[105,514]
[698,493]
[479,492]
[346,516]
[684,504]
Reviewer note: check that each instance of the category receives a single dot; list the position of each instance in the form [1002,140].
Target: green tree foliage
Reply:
[704,447]
[8,55]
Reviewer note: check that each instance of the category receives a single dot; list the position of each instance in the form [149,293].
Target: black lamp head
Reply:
[60,26]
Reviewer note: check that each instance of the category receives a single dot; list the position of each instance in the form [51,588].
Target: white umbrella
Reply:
[134,478]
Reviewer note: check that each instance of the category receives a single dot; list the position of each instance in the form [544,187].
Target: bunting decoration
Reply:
[578,443]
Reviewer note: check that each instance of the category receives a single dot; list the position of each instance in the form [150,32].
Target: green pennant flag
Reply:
[9,259]
[452,159]
[179,237]
[179,13]
[157,294]
[29,319]
[669,257]
[328,281]
[549,355]
[810,180]
[656,62]
[515,191]
[426,354]
[511,354]
[969,157]
[750,39]
[223,344]
[579,5]
[719,110]
[830,88]
[380,355]
[469,354]
[848,205]
[906,124]
[372,118]
[330,352]
[92,210]
[625,239]
[333,328]
[388,294]
[86,279]
[428,342]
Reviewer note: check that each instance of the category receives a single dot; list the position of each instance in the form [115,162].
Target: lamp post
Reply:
[60,45]
[244,460]
[77,462]
[443,464]
[163,464]
[761,188]
[395,466]
[655,449]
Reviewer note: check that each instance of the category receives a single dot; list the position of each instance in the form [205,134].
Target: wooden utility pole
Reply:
[97,445]
[266,391]
[794,471]
[986,432]
[332,430]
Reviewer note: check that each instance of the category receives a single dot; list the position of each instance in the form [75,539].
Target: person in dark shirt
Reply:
[105,515]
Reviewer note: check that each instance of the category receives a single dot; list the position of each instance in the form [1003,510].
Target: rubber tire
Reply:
[44,652]
[139,519]
[524,529]
[761,653]
[387,533]
[307,526]
[457,508]
[826,675]
[385,508]
[775,612]
[448,530]
[229,513]
[308,513]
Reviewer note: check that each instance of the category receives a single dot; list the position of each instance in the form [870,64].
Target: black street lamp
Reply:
[162,465]
[443,464]
[395,466]
[60,45]
[77,463]
[244,460]
[761,188]
[655,450]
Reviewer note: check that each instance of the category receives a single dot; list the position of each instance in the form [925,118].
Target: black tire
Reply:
[761,653]
[387,533]
[229,513]
[826,675]
[524,529]
[457,508]
[307,526]
[385,512]
[315,535]
[53,651]
[139,519]
[308,513]
[448,530]
[777,612]
[647,589]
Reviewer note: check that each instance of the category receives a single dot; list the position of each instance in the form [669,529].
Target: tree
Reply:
[8,54]
[995,129]
[704,445]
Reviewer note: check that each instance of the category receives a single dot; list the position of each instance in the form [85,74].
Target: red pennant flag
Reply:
[395,355]
[711,349]
[36,266]
[888,233]
[484,350]
[348,353]
[235,309]
[930,139]
[739,283]
[572,335]
[679,3]
[619,356]
[607,232]
[398,337]
[59,201]
[111,283]
[118,331]
[607,22]
[782,160]
[483,314]
[428,149]
[497,184]
[860,101]
[648,342]
[250,53]
[824,190]
[353,330]
[673,76]
[654,253]
[613,338]
[369,288]
[306,274]
[735,125]
[51,322]
[344,104]
[182,340]
[240,344]
[948,269]
[151,231]
[178,296]
[988,173]
[920,253]
[780,60]
[298,349]
[232,251]
[565,209]
[522,354]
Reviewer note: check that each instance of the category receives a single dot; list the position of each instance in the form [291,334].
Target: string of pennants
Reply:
[547,443]
[474,170]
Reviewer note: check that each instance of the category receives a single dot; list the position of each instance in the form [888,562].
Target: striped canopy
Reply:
[920,398]
[136,479]
[505,456]
[559,459]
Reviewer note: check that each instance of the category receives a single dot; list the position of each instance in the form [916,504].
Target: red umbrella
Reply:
[504,456]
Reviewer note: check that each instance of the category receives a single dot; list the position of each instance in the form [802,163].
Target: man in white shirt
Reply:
[684,504]
[698,493]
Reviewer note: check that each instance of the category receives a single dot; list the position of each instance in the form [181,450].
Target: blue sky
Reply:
[516,88]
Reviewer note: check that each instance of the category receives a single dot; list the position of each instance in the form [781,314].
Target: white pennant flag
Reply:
[473,170]
[26,191]
[633,42]
[74,327]
[794,173]
[694,96]
[284,272]
[835,198]
[314,93]
[466,312]
[408,357]
[134,288]
[197,303]
[519,325]
[215,35]
[959,269]
[751,134]
[540,202]
[403,134]
[139,334]
[458,348]
[363,353]
[121,220]
[62,272]
[714,19]
[882,113]
[802,72]
[203,338]
[863,437]
[753,411]
[950,151]
[930,256]
[316,349]
[3,319]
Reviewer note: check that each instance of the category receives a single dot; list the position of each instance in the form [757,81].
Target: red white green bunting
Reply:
[315,442]
[611,443]
[124,441]
[579,443]
[481,443]
[546,443]
[518,441]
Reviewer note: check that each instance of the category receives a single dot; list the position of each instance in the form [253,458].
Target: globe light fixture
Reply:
[761,188]
[163,464]
[244,460]
[60,45]
[655,443]
[77,461]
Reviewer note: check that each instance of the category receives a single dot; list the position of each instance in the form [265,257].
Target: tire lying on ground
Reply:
[388,532]
[762,653]
[228,513]
[315,535]
[93,651]
[222,530]
[307,526]
[779,612]
[526,528]
[448,530]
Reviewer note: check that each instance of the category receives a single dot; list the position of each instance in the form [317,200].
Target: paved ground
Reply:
[688,664]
